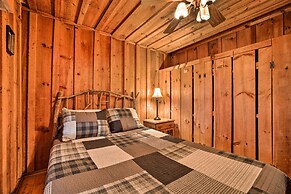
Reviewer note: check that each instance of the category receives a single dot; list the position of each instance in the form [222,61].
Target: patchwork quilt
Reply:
[148,161]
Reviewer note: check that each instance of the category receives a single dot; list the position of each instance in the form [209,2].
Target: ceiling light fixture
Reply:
[204,13]
[181,11]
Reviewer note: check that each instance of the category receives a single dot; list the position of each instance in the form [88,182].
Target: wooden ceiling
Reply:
[143,21]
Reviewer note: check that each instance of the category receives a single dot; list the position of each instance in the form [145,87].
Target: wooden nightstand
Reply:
[163,125]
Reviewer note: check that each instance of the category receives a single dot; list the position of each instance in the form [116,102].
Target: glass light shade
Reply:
[204,11]
[203,2]
[198,18]
[157,93]
[181,11]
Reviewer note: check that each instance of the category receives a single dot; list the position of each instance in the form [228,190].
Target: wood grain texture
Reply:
[42,99]
[203,102]
[63,58]
[115,14]
[223,104]
[102,55]
[269,29]
[152,77]
[244,142]
[186,104]
[31,92]
[287,23]
[165,85]
[141,83]
[175,98]
[265,128]
[246,37]
[83,76]
[281,103]
[228,42]
[117,67]
[129,69]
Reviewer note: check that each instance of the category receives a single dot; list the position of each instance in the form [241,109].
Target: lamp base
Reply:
[157,118]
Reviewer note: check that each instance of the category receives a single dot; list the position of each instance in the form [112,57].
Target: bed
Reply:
[143,160]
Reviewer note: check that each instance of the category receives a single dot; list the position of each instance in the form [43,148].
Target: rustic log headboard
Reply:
[90,99]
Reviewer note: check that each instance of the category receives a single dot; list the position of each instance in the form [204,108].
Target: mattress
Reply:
[149,161]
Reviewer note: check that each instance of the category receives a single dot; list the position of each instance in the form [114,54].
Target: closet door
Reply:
[203,102]
[186,103]
[282,102]
[223,103]
[244,142]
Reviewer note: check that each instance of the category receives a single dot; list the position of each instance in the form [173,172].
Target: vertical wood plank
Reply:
[186,103]
[44,53]
[192,54]
[101,77]
[281,103]
[198,101]
[246,36]
[151,83]
[213,47]
[83,77]
[141,83]
[202,51]
[244,104]
[63,59]
[31,92]
[175,98]
[228,42]
[265,130]
[129,69]
[208,104]
[165,85]
[287,22]
[117,67]
[223,104]
[269,29]
[4,111]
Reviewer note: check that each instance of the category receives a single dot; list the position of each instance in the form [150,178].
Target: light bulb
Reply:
[204,11]
[181,11]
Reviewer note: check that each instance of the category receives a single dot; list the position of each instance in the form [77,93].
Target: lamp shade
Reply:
[157,93]
[198,18]
[181,11]
[204,11]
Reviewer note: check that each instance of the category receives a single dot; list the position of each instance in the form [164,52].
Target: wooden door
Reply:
[223,103]
[244,142]
[203,102]
[282,102]
[186,103]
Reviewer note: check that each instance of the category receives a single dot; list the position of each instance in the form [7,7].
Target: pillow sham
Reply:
[83,124]
[122,119]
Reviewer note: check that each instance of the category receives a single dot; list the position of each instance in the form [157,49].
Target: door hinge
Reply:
[272,65]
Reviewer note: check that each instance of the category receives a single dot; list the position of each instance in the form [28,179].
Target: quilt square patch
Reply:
[138,183]
[162,168]
[108,156]
[100,143]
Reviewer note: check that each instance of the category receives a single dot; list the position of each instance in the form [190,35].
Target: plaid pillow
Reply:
[82,124]
[122,119]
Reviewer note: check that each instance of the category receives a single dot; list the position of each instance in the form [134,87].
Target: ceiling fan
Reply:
[203,10]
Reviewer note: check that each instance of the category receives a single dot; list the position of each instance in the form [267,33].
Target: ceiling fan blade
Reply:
[215,16]
[174,23]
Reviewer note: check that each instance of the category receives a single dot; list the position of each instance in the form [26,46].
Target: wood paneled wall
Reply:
[239,101]
[12,104]
[239,104]
[63,57]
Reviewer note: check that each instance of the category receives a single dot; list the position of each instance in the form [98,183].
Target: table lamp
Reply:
[157,94]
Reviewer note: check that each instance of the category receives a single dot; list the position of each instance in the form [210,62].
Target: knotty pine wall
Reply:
[12,106]
[239,104]
[70,59]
